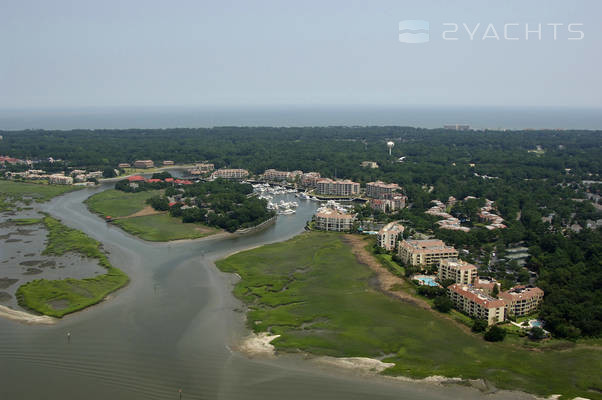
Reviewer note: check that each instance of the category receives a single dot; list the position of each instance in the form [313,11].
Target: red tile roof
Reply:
[136,178]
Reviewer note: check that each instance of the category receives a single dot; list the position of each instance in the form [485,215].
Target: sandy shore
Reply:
[258,345]
[21,316]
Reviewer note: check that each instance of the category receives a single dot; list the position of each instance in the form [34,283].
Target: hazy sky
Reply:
[168,53]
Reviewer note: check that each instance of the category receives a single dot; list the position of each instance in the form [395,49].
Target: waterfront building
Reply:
[396,202]
[388,236]
[381,190]
[144,164]
[522,300]
[476,303]
[231,173]
[329,219]
[459,271]
[310,179]
[425,253]
[331,187]
[60,179]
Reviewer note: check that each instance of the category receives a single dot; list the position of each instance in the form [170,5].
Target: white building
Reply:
[388,236]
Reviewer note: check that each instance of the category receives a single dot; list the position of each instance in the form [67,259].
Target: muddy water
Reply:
[171,328]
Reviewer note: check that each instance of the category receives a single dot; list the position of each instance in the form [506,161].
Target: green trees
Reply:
[108,172]
[159,203]
[479,325]
[443,304]
[495,334]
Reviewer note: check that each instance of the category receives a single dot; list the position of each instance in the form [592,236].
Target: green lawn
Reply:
[59,297]
[12,192]
[163,228]
[313,292]
[117,203]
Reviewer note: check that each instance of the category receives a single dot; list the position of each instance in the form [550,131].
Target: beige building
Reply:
[310,179]
[337,188]
[522,300]
[477,303]
[396,202]
[333,220]
[275,175]
[168,162]
[60,179]
[144,164]
[425,252]
[459,271]
[388,235]
[486,284]
[381,190]
[369,164]
[228,173]
[123,165]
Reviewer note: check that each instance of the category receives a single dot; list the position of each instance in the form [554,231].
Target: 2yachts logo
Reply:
[418,31]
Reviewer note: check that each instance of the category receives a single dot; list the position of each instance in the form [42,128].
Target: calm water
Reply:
[171,328]
[420,116]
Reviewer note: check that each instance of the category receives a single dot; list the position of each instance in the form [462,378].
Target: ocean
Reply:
[191,117]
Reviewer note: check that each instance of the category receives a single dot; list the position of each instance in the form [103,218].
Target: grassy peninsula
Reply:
[12,192]
[131,213]
[57,298]
[323,301]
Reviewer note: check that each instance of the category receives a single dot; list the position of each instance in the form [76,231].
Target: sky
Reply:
[61,54]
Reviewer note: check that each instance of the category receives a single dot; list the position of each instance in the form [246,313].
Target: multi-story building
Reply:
[168,163]
[522,300]
[477,303]
[275,175]
[369,164]
[425,253]
[228,173]
[333,220]
[388,236]
[123,165]
[459,271]
[396,202]
[144,164]
[60,179]
[337,188]
[381,190]
[486,284]
[310,179]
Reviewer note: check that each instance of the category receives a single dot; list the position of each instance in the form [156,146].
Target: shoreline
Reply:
[25,317]
[258,345]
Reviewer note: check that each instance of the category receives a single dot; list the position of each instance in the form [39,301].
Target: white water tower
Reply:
[390,146]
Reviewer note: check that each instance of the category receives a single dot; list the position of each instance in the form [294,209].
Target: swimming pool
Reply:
[536,323]
[427,280]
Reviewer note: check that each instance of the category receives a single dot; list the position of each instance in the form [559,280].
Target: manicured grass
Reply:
[312,291]
[117,203]
[59,297]
[12,192]
[163,228]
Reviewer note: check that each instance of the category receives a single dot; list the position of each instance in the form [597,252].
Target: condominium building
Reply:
[457,270]
[337,188]
[227,173]
[333,220]
[310,179]
[369,164]
[381,190]
[60,179]
[522,300]
[425,252]
[144,164]
[388,236]
[476,303]
[123,165]
[396,202]
[275,175]
[486,284]
[168,163]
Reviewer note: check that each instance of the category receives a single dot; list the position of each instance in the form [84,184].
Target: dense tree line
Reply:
[539,194]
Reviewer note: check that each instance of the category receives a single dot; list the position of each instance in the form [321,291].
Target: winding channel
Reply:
[173,327]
